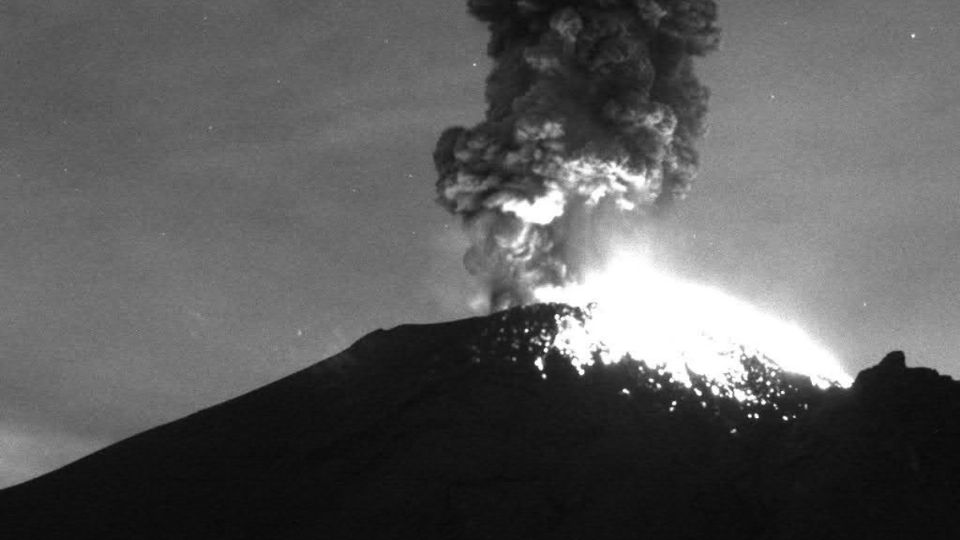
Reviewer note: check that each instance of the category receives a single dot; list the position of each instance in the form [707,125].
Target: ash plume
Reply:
[593,111]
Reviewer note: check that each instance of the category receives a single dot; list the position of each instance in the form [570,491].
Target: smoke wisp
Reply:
[593,111]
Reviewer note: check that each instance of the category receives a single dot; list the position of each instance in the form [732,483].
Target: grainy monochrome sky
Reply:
[199,197]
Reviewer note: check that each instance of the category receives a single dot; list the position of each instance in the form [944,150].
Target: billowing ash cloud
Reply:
[593,111]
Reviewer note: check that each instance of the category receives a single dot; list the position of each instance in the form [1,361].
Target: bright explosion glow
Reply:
[676,326]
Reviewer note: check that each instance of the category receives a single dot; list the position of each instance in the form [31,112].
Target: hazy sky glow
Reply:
[198,197]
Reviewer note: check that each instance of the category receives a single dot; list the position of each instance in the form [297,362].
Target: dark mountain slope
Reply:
[452,431]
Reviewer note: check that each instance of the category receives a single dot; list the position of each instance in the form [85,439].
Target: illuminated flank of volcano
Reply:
[682,327]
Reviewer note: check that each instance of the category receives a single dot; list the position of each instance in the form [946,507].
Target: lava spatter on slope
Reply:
[751,389]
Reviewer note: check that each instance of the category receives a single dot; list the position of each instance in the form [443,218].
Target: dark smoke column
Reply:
[593,111]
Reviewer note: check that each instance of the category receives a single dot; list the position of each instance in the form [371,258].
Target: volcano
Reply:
[471,429]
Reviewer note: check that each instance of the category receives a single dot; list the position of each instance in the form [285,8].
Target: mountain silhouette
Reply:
[471,429]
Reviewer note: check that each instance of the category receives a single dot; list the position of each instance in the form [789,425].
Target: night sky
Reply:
[199,197]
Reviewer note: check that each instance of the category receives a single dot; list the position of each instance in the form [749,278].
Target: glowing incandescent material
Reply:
[678,326]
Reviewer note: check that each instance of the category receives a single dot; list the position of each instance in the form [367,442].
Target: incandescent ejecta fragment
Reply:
[593,109]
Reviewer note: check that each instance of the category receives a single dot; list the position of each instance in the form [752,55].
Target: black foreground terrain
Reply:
[451,431]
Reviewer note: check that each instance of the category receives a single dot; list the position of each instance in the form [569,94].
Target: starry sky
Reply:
[198,197]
